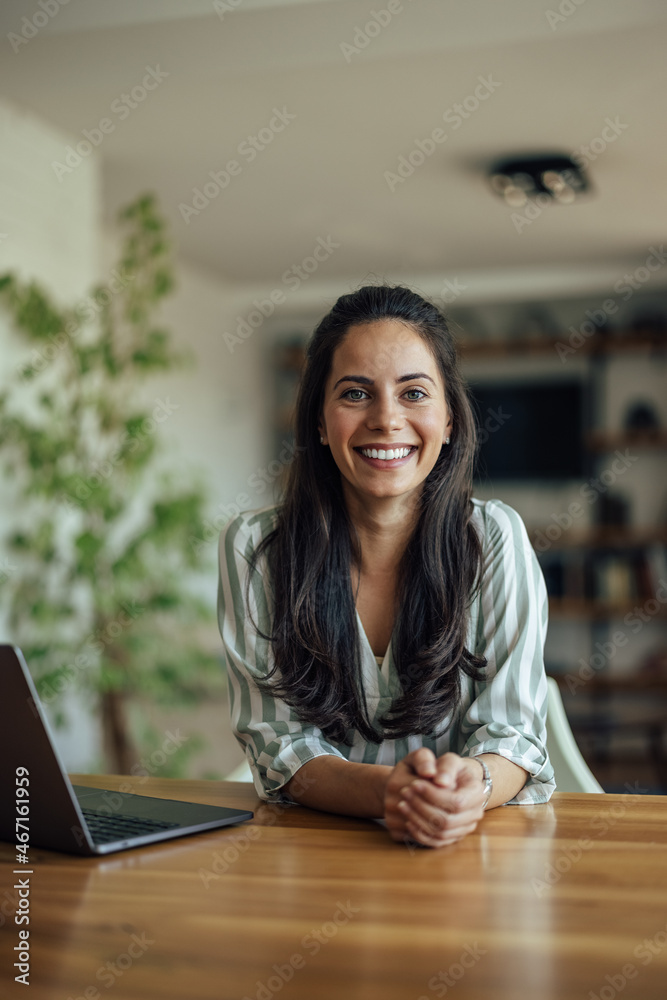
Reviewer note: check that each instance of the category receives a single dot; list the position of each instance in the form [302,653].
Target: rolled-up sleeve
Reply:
[507,715]
[276,744]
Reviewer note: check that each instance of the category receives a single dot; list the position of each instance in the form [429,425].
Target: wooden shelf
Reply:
[639,683]
[621,343]
[471,349]
[604,537]
[648,439]
[585,610]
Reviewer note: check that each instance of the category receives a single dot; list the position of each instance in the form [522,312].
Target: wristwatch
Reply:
[488,782]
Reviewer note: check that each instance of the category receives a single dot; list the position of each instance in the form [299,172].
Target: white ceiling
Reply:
[324,174]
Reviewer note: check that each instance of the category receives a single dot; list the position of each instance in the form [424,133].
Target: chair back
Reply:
[240,773]
[571,771]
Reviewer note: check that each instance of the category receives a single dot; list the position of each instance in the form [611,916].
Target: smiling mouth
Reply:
[387,454]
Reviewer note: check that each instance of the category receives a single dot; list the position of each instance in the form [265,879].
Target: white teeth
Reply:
[385,454]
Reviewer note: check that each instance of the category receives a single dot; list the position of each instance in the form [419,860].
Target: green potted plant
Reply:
[99,582]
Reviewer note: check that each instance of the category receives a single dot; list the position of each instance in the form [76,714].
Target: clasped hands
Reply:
[434,801]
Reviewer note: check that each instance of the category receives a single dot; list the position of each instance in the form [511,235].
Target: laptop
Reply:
[74,818]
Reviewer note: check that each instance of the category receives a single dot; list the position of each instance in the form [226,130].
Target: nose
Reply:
[385,413]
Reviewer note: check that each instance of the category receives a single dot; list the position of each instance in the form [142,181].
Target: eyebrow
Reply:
[364,380]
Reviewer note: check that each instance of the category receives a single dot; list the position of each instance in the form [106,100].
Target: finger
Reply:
[442,798]
[412,828]
[417,812]
[416,807]
[431,838]
[447,770]
[395,822]
[460,800]
[422,762]
[437,821]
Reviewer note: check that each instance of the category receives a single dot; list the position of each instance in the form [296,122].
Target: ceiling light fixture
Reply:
[520,178]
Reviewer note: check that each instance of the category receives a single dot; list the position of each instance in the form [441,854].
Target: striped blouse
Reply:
[504,713]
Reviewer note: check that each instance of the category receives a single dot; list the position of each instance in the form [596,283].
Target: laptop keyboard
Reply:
[105,829]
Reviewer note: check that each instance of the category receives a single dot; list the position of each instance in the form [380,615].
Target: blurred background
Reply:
[506,160]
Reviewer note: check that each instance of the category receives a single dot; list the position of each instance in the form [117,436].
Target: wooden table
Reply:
[561,900]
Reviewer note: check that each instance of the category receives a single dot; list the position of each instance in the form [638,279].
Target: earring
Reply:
[321,439]
[447,440]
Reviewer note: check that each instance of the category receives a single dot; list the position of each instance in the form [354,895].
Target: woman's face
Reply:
[384,415]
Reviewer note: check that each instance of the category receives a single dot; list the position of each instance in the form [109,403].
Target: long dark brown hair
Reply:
[310,553]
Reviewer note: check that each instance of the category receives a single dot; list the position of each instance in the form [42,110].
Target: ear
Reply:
[448,431]
[323,433]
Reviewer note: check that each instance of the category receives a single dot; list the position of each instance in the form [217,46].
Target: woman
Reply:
[384,631]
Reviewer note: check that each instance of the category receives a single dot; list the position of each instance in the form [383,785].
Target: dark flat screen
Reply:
[529,431]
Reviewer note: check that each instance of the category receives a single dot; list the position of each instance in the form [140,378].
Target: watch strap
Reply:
[488,781]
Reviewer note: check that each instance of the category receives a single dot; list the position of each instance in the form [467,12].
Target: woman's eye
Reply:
[415,394]
[354,394]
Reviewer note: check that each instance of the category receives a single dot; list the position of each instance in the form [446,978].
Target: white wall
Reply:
[49,226]
[50,233]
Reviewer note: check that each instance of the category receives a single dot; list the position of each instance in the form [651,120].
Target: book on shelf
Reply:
[615,580]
